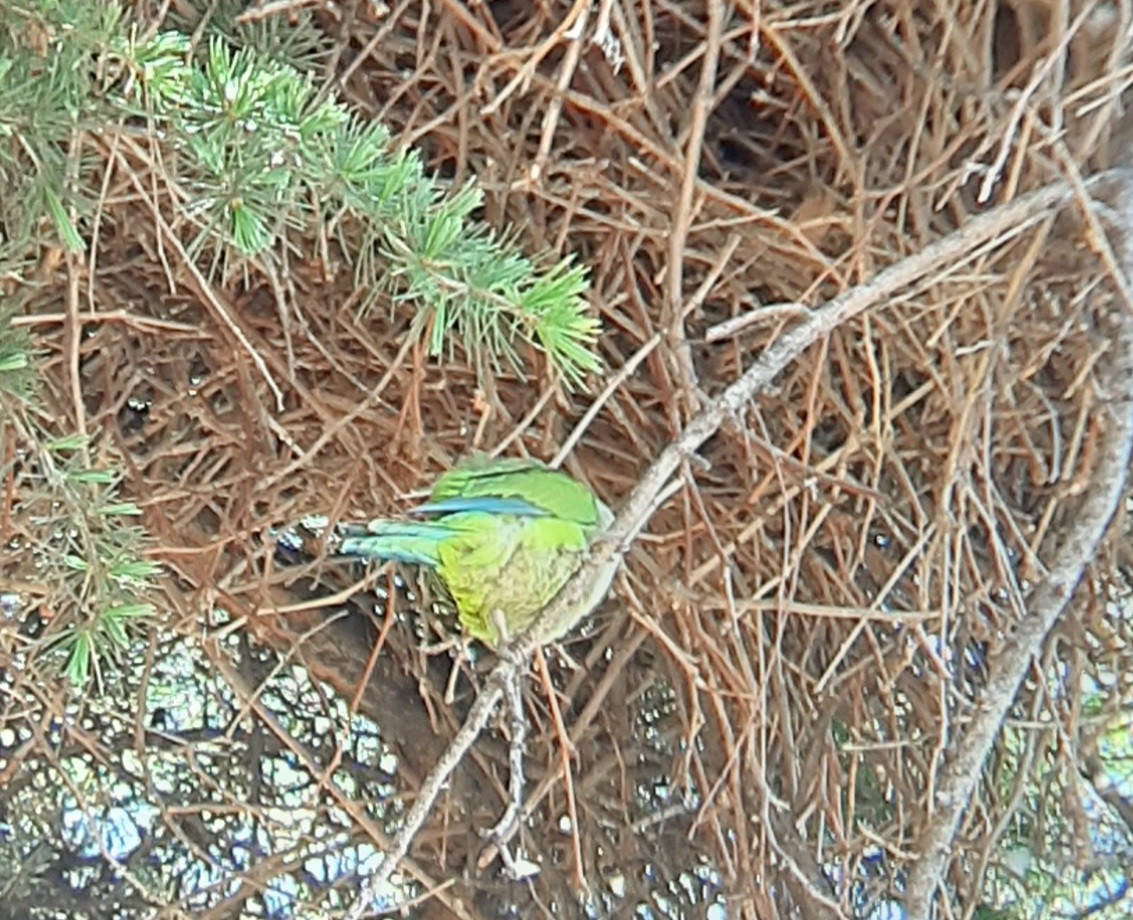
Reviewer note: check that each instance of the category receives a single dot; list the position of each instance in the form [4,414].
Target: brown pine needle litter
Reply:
[855,632]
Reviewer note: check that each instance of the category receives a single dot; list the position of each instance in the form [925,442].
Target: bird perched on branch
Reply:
[503,536]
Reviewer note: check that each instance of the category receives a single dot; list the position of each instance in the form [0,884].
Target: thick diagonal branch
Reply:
[938,259]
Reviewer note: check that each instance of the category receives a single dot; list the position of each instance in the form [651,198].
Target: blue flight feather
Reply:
[516,506]
[417,542]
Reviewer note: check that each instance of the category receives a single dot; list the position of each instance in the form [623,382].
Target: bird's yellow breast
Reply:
[515,566]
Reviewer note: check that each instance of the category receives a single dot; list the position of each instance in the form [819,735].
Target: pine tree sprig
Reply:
[262,155]
[82,543]
[17,373]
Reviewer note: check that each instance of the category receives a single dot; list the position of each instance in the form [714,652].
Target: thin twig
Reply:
[204,288]
[478,716]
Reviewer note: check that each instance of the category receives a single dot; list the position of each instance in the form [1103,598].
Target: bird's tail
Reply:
[402,541]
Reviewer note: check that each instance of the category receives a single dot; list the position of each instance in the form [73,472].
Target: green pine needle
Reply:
[261,155]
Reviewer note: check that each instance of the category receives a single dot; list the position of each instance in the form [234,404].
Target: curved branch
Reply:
[1046,604]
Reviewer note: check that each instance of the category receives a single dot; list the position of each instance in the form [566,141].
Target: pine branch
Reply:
[264,159]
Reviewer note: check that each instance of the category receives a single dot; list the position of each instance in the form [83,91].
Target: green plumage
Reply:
[503,536]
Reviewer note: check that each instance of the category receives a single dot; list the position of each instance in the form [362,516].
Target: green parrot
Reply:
[503,536]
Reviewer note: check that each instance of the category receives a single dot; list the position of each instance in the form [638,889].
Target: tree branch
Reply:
[945,255]
[1046,604]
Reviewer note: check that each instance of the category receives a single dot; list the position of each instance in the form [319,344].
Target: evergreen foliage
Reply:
[258,160]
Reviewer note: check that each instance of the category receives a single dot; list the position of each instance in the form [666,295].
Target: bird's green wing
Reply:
[480,483]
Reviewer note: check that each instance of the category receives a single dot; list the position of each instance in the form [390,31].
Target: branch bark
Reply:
[1047,602]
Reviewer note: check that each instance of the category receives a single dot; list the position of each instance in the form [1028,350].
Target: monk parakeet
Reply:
[503,536]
